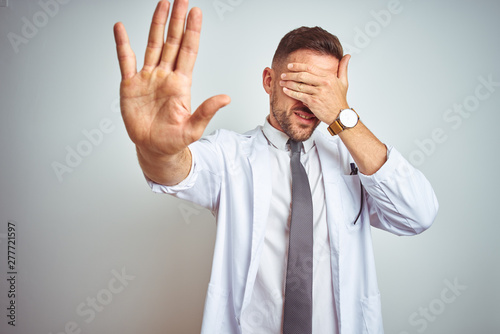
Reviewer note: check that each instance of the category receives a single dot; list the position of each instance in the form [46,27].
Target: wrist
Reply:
[346,119]
[335,114]
[165,169]
[153,157]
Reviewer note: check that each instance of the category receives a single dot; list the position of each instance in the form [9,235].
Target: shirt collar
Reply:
[279,139]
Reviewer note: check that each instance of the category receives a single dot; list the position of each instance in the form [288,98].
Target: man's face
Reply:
[289,115]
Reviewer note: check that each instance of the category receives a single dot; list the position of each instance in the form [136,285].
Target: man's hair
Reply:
[314,39]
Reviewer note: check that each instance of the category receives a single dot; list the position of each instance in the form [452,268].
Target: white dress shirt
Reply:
[264,314]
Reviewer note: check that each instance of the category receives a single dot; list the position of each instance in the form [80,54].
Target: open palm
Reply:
[156,102]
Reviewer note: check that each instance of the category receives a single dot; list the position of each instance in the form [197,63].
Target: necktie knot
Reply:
[295,146]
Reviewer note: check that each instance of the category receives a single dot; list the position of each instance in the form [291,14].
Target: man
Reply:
[261,281]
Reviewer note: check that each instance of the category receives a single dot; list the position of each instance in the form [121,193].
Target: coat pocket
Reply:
[372,315]
[215,309]
[350,195]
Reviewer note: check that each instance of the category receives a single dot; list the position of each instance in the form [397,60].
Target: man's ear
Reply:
[267,79]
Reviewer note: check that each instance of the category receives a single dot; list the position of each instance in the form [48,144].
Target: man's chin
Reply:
[294,128]
[301,133]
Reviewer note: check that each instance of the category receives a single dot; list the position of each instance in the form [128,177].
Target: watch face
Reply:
[348,118]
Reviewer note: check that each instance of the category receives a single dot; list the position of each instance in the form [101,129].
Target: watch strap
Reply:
[335,128]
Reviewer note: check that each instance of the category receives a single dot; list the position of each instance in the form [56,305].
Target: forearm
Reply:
[368,152]
[166,170]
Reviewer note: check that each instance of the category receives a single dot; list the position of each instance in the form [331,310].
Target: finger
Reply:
[301,67]
[156,38]
[342,73]
[305,77]
[190,42]
[200,118]
[302,97]
[126,57]
[175,34]
[298,86]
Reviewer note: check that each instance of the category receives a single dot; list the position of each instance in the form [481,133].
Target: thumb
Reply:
[200,118]
[342,73]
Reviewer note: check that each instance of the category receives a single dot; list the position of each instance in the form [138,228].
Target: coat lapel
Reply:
[329,157]
[258,157]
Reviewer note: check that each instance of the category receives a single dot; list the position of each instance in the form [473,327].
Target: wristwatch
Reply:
[348,118]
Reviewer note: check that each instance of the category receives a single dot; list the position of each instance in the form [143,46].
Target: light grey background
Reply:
[74,234]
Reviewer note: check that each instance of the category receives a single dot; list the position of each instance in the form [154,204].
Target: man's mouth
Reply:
[304,113]
[304,116]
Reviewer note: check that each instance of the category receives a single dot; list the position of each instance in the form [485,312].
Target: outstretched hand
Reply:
[156,102]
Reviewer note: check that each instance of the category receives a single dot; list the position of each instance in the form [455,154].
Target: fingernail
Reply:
[290,65]
[283,76]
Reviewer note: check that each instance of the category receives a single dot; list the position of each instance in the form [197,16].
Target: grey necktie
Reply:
[297,313]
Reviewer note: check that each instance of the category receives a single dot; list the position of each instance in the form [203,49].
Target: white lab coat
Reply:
[231,177]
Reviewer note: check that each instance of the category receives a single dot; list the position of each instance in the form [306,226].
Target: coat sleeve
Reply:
[399,197]
[203,184]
